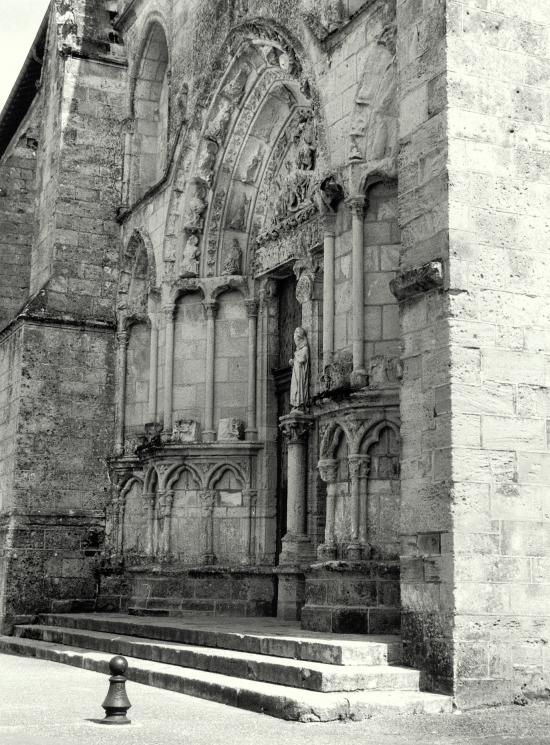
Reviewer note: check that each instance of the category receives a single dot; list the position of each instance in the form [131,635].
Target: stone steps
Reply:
[276,641]
[285,702]
[313,676]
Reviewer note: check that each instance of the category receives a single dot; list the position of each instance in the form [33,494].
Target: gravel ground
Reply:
[45,703]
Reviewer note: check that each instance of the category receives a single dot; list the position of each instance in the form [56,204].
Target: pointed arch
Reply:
[331,440]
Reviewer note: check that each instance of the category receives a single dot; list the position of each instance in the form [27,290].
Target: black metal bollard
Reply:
[116,702]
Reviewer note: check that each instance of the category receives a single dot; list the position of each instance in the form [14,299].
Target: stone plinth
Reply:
[352,597]
[291,593]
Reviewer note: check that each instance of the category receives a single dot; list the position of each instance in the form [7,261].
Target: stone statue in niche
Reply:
[299,384]
[189,266]
[239,214]
[235,89]
[230,429]
[196,204]
[217,129]
[233,257]
[306,144]
[208,160]
[251,171]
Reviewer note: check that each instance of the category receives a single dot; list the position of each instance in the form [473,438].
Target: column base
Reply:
[251,435]
[358,378]
[354,552]
[296,549]
[208,435]
[208,559]
[291,594]
[326,551]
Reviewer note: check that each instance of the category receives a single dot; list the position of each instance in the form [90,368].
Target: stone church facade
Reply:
[185,183]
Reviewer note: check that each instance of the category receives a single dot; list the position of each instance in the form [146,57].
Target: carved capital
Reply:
[357,205]
[210,309]
[328,470]
[166,500]
[251,308]
[208,501]
[122,338]
[296,427]
[358,466]
[168,312]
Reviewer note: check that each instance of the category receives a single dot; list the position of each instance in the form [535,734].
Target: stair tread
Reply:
[216,652]
[388,698]
[279,632]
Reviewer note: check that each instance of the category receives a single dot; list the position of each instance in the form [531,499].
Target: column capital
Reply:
[359,465]
[210,308]
[296,427]
[251,307]
[208,500]
[328,221]
[122,338]
[168,311]
[328,470]
[357,204]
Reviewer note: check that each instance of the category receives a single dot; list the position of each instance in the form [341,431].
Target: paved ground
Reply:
[44,703]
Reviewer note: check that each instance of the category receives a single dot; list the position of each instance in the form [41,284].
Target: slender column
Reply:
[121,363]
[208,501]
[328,470]
[121,503]
[358,465]
[296,544]
[166,500]
[328,290]
[149,499]
[249,500]
[210,308]
[363,505]
[153,372]
[251,425]
[168,365]
[358,375]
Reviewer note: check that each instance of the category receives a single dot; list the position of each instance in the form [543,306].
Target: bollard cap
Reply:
[118,665]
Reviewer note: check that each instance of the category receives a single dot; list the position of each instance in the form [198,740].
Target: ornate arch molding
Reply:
[218,471]
[137,279]
[214,210]
[369,434]
[332,438]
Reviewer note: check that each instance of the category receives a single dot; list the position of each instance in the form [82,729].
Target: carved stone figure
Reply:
[208,160]
[186,430]
[189,266]
[299,384]
[234,90]
[196,204]
[217,129]
[239,214]
[251,172]
[233,257]
[230,429]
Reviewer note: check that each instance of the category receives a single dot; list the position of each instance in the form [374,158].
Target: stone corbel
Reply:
[417,280]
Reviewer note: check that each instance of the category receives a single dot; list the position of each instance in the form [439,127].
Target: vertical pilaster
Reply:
[210,309]
[357,206]
[328,288]
[208,502]
[358,469]
[165,502]
[168,365]
[153,371]
[149,506]
[328,470]
[249,500]
[121,363]
[251,425]
[296,543]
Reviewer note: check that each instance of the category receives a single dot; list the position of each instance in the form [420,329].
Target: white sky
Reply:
[19,22]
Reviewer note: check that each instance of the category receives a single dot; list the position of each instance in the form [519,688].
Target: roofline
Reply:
[24,89]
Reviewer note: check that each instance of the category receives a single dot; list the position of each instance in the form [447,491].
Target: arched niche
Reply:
[342,516]
[185,524]
[189,357]
[383,490]
[231,354]
[149,103]
[230,516]
[137,377]
[134,527]
[137,276]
